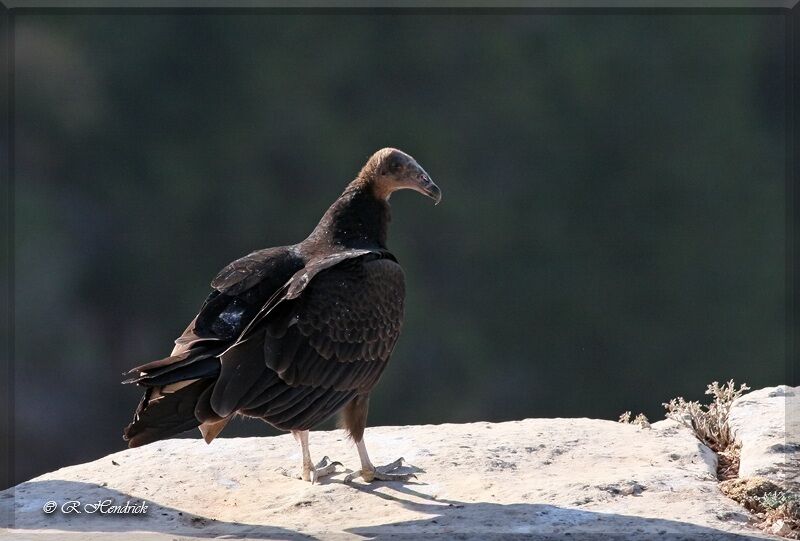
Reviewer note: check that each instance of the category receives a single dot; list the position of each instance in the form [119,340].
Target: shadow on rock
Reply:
[446,518]
[31,497]
[482,520]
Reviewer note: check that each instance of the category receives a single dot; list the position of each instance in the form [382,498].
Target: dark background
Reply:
[612,232]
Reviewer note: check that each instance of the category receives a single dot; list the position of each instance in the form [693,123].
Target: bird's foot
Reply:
[323,468]
[382,473]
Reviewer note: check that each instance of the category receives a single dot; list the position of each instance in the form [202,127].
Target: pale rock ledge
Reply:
[537,479]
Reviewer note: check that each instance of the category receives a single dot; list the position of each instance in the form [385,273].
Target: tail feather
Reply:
[161,415]
[205,366]
[166,362]
[176,368]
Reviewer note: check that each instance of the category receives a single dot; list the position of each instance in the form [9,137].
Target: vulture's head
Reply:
[389,170]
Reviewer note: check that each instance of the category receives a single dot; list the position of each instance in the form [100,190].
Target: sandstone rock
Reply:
[538,478]
[767,424]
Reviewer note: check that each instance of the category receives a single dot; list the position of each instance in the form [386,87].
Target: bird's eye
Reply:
[391,166]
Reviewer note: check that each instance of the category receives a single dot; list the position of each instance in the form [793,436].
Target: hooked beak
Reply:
[426,186]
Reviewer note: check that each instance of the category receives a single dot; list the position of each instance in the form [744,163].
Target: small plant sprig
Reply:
[640,420]
[781,512]
[774,500]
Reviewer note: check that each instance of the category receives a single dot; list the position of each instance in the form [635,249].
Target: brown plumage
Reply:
[293,334]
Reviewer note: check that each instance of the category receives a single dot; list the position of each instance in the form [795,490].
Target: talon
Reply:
[391,466]
[366,475]
[382,473]
[394,476]
[326,462]
[323,468]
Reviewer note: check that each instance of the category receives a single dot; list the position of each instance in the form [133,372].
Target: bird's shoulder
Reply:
[375,273]
[242,274]
[343,261]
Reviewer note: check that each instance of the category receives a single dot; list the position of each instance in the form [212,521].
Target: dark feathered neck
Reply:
[358,219]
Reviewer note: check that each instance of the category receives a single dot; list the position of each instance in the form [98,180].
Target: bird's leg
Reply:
[354,420]
[310,471]
[382,473]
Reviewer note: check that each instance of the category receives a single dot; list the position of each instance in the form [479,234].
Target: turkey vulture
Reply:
[294,334]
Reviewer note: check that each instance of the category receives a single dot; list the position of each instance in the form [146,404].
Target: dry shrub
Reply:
[709,422]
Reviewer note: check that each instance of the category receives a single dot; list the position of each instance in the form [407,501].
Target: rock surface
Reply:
[767,424]
[538,479]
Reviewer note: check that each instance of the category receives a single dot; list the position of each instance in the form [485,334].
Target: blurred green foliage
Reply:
[611,235]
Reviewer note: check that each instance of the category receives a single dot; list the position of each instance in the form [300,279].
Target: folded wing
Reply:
[322,343]
[277,339]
